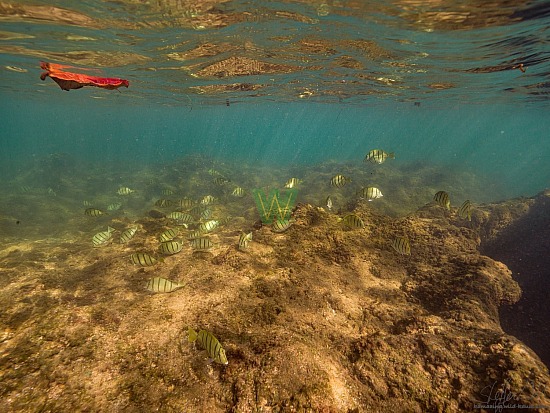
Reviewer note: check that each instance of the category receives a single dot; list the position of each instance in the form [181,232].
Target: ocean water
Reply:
[257,92]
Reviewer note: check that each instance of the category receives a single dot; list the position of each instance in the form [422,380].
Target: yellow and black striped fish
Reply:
[194,234]
[401,245]
[210,343]
[207,200]
[209,226]
[465,210]
[123,190]
[94,212]
[170,247]
[339,180]
[168,235]
[281,225]
[185,203]
[442,198]
[244,239]
[127,235]
[221,180]
[162,285]
[144,259]
[206,213]
[238,192]
[352,221]
[197,210]
[102,238]
[292,182]
[115,206]
[370,193]
[181,217]
[163,203]
[202,244]
[378,156]
[167,192]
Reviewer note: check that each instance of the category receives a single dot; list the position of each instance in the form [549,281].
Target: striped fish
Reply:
[115,206]
[87,203]
[281,225]
[352,221]
[123,190]
[206,213]
[127,235]
[238,192]
[292,182]
[94,212]
[221,180]
[181,217]
[244,240]
[207,200]
[378,156]
[168,235]
[185,203]
[209,226]
[144,259]
[202,244]
[465,210]
[213,172]
[210,343]
[401,245]
[339,181]
[167,191]
[370,193]
[102,238]
[442,198]
[162,285]
[170,247]
[197,210]
[163,203]
[194,234]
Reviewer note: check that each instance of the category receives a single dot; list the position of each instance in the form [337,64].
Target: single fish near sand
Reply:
[144,259]
[127,235]
[210,343]
[162,285]
[102,238]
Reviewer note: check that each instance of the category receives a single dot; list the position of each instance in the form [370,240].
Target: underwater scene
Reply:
[275,206]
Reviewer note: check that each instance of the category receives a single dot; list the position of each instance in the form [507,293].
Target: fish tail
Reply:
[391,155]
[192,335]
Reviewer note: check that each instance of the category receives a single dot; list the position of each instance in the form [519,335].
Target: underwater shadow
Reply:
[523,247]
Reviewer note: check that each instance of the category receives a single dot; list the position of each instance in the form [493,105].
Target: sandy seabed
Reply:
[319,318]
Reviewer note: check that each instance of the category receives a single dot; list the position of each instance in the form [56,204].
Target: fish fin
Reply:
[192,335]
[391,155]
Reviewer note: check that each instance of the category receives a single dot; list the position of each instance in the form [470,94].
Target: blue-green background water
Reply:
[507,143]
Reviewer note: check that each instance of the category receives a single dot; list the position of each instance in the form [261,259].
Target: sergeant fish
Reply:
[339,181]
[378,156]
